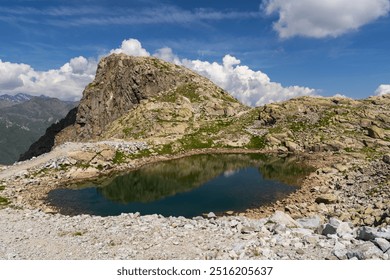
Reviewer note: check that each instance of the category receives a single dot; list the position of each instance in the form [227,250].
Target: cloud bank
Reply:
[318,19]
[65,83]
[68,82]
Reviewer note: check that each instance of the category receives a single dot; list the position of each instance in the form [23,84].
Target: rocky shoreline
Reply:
[340,212]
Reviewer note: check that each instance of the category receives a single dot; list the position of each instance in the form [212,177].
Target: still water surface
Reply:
[187,187]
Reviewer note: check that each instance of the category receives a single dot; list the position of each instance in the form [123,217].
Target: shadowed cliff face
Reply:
[45,143]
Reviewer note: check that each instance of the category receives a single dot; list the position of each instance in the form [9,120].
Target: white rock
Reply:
[282,218]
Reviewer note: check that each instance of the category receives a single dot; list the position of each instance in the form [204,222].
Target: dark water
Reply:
[187,187]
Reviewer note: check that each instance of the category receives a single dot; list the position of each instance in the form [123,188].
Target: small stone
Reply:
[246,230]
[229,213]
[382,243]
[326,199]
[386,158]
[311,222]
[280,217]
[344,231]
[366,233]
[340,167]
[376,132]
[211,215]
[291,146]
[328,229]
[365,251]
[188,226]
[49,211]
[300,251]
[233,254]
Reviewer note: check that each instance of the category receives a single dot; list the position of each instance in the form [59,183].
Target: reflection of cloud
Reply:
[229,173]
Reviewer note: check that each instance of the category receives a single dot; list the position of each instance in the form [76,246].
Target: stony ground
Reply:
[32,234]
[340,212]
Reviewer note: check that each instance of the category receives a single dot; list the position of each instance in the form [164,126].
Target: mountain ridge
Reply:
[23,119]
[173,110]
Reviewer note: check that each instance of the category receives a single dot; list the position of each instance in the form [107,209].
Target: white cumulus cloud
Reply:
[131,47]
[253,88]
[68,82]
[65,83]
[318,19]
[10,75]
[383,89]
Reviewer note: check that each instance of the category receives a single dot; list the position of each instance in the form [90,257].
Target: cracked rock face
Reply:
[121,83]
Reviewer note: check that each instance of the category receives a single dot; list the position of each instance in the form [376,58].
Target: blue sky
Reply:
[276,49]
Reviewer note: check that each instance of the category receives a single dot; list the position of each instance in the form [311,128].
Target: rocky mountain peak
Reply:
[122,82]
[139,97]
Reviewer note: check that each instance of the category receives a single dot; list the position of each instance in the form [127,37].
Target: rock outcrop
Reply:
[173,110]
[123,83]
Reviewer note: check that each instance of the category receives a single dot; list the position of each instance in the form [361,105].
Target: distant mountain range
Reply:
[23,119]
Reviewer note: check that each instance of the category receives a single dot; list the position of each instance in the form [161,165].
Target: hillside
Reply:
[23,119]
[172,109]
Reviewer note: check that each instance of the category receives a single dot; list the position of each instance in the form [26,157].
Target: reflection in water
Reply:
[188,187]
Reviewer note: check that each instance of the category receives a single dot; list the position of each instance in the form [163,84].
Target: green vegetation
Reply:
[140,154]
[41,172]
[3,201]
[78,233]
[166,149]
[256,142]
[348,150]
[189,91]
[82,165]
[370,153]
[127,131]
[298,126]
[193,141]
[161,65]
[326,119]
[2,188]
[119,157]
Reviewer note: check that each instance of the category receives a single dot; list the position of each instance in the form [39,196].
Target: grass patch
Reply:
[42,171]
[326,119]
[298,126]
[193,141]
[140,154]
[189,91]
[3,201]
[78,233]
[166,149]
[119,157]
[83,165]
[370,153]
[2,188]
[127,131]
[256,142]
[348,150]
[100,167]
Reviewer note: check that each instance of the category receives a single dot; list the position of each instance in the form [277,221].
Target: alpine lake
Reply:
[188,187]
